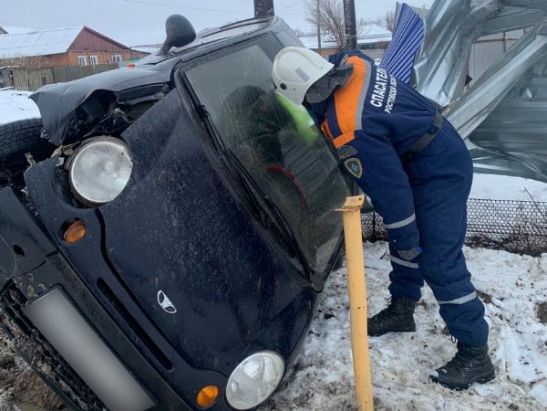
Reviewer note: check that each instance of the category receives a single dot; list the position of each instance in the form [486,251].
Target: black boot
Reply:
[398,316]
[469,365]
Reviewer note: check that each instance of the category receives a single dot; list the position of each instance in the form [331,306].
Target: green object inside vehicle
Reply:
[305,125]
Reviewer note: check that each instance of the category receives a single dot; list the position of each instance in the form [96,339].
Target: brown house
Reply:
[64,47]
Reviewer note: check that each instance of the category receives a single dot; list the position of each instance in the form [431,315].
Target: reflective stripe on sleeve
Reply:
[402,223]
[404,263]
[461,300]
[349,100]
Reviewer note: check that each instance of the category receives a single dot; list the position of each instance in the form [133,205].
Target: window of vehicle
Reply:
[94,60]
[82,60]
[278,146]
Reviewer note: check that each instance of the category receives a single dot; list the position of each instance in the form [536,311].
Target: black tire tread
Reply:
[19,137]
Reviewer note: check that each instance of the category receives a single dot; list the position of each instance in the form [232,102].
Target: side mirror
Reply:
[180,32]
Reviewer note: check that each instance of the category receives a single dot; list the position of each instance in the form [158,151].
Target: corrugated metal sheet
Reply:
[407,40]
[502,112]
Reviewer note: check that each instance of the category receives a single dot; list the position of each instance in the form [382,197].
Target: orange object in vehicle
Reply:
[75,231]
[207,396]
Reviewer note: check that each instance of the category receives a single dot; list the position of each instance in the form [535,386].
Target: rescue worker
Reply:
[415,167]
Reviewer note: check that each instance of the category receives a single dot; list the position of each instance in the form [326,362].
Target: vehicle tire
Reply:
[20,137]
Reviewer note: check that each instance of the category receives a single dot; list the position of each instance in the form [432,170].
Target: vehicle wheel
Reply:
[16,139]
[20,137]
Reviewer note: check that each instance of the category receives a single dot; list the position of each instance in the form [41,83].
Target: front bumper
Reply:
[30,268]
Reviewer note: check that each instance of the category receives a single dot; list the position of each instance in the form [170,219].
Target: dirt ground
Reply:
[20,388]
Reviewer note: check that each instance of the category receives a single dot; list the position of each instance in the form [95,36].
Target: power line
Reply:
[289,5]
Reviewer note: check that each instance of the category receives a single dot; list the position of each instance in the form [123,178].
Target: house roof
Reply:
[15,30]
[370,34]
[43,42]
[38,43]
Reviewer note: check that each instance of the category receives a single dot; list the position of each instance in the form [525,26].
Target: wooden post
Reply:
[357,289]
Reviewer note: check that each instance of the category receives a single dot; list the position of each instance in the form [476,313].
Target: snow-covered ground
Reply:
[512,286]
[15,105]
[494,187]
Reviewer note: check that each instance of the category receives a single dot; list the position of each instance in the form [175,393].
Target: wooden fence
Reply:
[32,79]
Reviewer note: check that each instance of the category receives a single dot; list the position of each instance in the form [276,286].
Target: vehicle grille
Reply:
[43,358]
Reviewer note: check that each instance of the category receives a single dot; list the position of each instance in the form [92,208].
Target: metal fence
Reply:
[515,226]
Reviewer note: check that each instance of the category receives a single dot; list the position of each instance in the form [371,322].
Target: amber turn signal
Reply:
[74,231]
[207,396]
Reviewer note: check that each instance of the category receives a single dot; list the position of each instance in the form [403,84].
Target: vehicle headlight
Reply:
[254,380]
[100,170]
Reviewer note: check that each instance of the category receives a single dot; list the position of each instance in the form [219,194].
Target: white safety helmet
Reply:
[295,69]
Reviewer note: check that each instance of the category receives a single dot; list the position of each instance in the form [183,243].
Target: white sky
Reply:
[134,22]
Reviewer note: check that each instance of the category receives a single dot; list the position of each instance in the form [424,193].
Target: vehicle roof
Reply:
[210,40]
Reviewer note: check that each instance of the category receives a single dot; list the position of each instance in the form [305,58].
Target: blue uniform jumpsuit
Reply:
[415,167]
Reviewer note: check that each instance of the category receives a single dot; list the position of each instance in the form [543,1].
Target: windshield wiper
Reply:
[263,207]
[262,202]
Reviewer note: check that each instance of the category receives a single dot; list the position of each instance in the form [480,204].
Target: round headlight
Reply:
[100,170]
[254,380]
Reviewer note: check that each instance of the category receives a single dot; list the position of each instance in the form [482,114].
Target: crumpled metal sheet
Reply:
[408,37]
[502,113]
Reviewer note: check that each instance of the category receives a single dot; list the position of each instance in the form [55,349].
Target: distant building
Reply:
[80,46]
[15,30]
[488,50]
[372,39]
[148,48]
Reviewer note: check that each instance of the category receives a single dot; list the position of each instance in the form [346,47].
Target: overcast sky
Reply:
[137,22]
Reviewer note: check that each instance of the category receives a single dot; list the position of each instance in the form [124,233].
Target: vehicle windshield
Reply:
[279,146]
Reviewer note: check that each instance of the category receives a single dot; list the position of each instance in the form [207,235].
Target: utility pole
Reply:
[264,8]
[318,26]
[350,23]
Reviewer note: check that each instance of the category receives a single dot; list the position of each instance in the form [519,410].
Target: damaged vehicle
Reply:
[163,244]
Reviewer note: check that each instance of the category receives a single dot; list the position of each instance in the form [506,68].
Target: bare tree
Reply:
[330,19]
[388,21]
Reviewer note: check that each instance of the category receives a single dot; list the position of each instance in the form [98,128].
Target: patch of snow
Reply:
[38,43]
[496,187]
[16,29]
[513,285]
[15,105]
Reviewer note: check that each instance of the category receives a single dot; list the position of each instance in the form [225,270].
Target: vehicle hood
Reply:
[58,103]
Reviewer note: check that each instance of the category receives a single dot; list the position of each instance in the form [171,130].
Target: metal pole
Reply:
[357,288]
[264,8]
[318,27]
[350,23]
